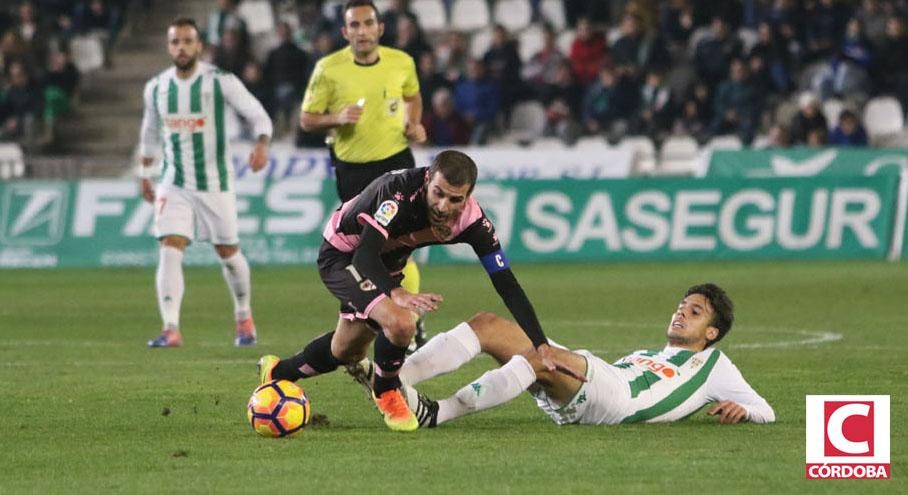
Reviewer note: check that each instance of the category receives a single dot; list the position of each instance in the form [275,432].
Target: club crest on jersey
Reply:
[386,212]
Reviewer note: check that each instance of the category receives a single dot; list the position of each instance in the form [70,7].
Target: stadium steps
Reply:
[105,124]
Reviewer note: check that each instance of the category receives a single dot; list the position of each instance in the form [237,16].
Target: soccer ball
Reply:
[278,409]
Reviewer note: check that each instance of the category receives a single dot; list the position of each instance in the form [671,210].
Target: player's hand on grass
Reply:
[259,157]
[551,362]
[350,114]
[419,303]
[416,133]
[148,190]
[729,412]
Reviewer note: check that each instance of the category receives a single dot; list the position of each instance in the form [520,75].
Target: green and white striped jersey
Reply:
[672,383]
[187,117]
[655,386]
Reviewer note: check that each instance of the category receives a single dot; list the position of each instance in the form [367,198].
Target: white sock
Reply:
[169,281]
[492,389]
[442,354]
[236,274]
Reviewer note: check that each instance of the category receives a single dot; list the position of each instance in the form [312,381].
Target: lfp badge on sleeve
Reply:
[848,437]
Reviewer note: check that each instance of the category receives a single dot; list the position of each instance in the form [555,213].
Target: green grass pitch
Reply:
[83,402]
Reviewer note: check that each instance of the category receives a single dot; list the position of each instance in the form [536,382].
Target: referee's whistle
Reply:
[361,102]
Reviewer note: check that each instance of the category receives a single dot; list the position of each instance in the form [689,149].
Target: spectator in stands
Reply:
[478,98]
[891,66]
[637,50]
[873,21]
[231,55]
[445,126]
[32,33]
[503,65]
[608,104]
[841,77]
[714,53]
[311,26]
[410,37]
[13,49]
[676,21]
[808,118]
[61,82]
[390,16]
[824,22]
[849,131]
[286,72]
[323,45]
[656,113]
[20,104]
[779,137]
[223,19]
[254,80]
[775,65]
[588,52]
[563,100]
[543,68]
[856,47]
[738,105]
[430,80]
[453,56]
[817,138]
[696,112]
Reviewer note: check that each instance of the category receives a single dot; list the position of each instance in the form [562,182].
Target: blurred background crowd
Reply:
[765,72]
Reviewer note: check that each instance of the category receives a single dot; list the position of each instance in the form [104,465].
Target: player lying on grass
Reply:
[662,385]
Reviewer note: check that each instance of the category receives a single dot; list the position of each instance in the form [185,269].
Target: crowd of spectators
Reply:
[634,67]
[38,79]
[638,67]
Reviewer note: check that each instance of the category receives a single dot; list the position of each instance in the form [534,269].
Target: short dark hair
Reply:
[362,3]
[186,21]
[723,308]
[456,167]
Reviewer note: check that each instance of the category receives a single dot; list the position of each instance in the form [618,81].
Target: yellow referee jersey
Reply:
[338,81]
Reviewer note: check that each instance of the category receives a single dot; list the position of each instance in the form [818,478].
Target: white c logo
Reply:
[834,428]
[498,260]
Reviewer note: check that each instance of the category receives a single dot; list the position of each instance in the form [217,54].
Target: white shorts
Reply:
[602,400]
[196,215]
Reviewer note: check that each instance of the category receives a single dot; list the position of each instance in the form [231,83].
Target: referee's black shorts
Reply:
[352,178]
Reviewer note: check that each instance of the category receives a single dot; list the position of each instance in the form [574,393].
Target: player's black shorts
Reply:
[352,178]
[357,295]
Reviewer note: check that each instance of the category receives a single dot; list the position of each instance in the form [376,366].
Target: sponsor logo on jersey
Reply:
[654,366]
[847,437]
[33,215]
[184,123]
[386,212]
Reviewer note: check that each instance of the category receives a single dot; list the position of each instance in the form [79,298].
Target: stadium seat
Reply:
[514,15]
[643,154]
[431,14]
[553,12]
[679,156]
[480,43]
[527,121]
[591,143]
[12,161]
[548,143]
[470,15]
[258,16]
[531,41]
[727,142]
[883,117]
[331,9]
[565,40]
[831,110]
[87,53]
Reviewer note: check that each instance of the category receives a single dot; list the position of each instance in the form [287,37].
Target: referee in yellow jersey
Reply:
[369,95]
